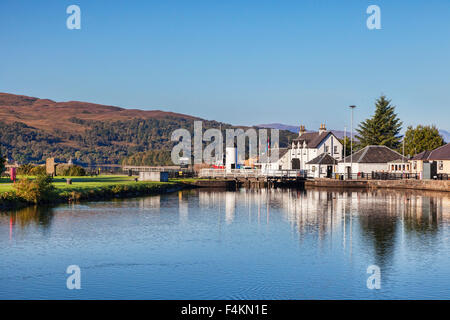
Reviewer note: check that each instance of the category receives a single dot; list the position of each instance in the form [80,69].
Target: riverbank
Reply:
[429,185]
[92,189]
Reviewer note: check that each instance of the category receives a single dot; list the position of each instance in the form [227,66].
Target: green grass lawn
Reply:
[82,182]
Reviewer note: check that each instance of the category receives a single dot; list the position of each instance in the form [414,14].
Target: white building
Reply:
[310,145]
[283,162]
[323,166]
[367,160]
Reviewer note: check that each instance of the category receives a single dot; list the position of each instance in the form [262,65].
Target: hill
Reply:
[32,129]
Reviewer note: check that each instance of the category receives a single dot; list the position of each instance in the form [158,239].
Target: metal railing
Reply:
[377,176]
[251,173]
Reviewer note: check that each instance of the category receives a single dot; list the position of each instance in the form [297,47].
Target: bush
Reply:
[38,171]
[40,190]
[25,169]
[70,170]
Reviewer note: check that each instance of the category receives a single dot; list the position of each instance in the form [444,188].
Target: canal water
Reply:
[247,244]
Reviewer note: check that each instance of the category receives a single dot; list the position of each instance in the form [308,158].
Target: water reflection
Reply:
[34,216]
[379,217]
[250,243]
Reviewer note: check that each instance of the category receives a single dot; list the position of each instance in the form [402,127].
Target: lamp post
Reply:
[351,141]
[345,149]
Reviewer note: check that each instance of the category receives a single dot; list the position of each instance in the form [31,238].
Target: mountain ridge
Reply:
[32,129]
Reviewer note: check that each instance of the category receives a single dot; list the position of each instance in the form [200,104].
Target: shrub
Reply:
[38,171]
[40,190]
[70,170]
[25,169]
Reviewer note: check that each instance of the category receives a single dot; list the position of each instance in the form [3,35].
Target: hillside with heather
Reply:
[32,129]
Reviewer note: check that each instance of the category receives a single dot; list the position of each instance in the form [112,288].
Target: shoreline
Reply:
[418,185]
[10,202]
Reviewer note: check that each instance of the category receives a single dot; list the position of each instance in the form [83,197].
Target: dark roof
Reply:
[312,139]
[422,156]
[374,154]
[324,158]
[441,153]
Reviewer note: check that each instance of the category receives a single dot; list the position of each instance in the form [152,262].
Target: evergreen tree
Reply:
[348,145]
[422,138]
[382,128]
[2,162]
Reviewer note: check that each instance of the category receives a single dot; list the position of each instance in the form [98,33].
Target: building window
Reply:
[327,149]
[415,165]
[392,167]
[441,165]
[335,149]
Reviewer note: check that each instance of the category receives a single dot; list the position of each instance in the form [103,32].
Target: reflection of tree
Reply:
[379,225]
[421,215]
[40,216]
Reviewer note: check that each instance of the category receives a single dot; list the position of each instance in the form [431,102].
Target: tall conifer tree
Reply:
[383,128]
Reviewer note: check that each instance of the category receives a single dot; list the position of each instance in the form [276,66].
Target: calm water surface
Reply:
[248,244]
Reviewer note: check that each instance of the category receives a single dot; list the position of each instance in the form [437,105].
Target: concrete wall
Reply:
[154,176]
[363,167]
[431,185]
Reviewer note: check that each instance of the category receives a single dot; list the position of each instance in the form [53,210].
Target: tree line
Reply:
[384,128]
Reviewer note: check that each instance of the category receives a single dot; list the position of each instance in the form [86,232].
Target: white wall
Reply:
[363,167]
[307,154]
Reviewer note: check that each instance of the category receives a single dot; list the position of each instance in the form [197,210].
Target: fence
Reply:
[377,176]
[251,173]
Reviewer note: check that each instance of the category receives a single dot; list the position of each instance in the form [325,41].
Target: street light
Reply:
[351,141]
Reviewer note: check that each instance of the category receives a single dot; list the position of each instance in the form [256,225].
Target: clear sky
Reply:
[241,62]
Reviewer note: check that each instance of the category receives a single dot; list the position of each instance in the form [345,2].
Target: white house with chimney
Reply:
[306,147]
[309,145]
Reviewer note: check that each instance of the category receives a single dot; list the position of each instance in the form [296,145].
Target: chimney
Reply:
[302,130]
[322,128]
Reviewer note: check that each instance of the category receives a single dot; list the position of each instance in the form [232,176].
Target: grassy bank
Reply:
[90,188]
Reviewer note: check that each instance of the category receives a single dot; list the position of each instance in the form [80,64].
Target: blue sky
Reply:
[241,62]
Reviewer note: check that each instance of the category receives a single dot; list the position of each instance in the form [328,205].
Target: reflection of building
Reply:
[153,202]
[230,205]
[325,213]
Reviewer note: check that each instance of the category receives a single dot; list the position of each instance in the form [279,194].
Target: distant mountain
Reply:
[32,129]
[338,133]
[445,134]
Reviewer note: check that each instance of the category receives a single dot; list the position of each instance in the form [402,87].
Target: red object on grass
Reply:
[13,174]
